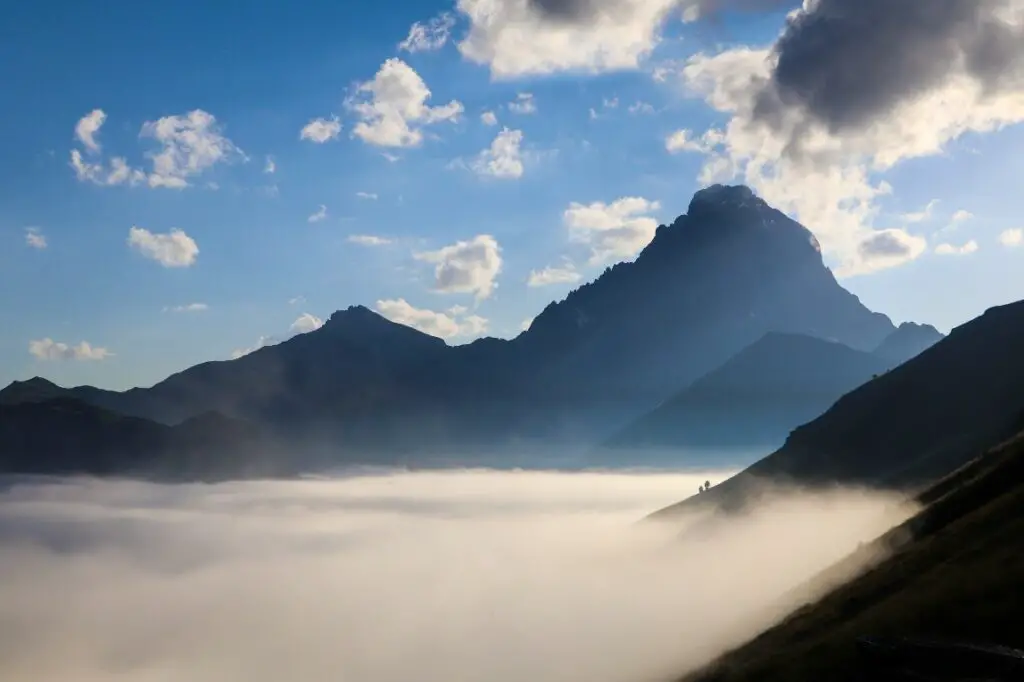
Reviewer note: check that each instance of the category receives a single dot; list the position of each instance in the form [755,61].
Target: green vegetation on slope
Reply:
[956,572]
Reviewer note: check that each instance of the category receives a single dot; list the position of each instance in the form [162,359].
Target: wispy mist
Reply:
[433,577]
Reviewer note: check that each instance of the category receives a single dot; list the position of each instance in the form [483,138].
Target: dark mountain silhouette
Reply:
[947,584]
[908,341]
[756,398]
[67,436]
[710,284]
[910,425]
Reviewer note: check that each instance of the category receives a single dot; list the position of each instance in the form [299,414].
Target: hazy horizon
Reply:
[443,575]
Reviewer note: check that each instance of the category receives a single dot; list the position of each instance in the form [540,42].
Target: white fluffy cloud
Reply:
[615,231]
[173,249]
[393,107]
[190,144]
[503,159]
[50,350]
[445,325]
[946,249]
[306,323]
[430,35]
[35,238]
[1011,238]
[812,133]
[87,128]
[466,267]
[518,38]
[488,118]
[523,104]
[321,130]
[683,140]
[369,240]
[566,274]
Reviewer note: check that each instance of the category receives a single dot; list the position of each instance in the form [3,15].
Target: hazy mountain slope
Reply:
[68,436]
[756,398]
[912,424]
[955,574]
[707,286]
[908,341]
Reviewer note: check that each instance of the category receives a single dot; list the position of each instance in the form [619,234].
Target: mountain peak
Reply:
[31,390]
[726,195]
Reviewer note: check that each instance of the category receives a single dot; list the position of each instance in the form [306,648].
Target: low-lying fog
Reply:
[401,577]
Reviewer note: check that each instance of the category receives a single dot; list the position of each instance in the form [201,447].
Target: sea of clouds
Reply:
[453,576]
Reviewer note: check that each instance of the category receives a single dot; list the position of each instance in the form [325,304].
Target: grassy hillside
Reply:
[956,572]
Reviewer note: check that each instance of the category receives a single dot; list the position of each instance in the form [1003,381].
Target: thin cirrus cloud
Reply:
[187,308]
[53,351]
[429,36]
[174,249]
[319,215]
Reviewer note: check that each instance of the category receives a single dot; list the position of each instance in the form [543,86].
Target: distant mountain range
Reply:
[908,426]
[765,391]
[734,296]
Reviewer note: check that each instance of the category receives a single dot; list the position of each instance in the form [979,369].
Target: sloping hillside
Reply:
[955,574]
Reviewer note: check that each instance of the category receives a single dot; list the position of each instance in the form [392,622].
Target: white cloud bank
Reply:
[432,576]
[49,350]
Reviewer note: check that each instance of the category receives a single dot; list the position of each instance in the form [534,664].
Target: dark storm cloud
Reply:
[849,62]
[582,11]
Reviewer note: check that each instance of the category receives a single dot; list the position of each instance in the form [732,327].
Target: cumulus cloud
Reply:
[523,104]
[946,249]
[369,240]
[430,35]
[320,130]
[683,141]
[87,128]
[374,578]
[393,107]
[503,159]
[534,37]
[526,324]
[450,324]
[848,91]
[1011,238]
[261,342]
[890,247]
[320,214]
[306,323]
[187,308]
[270,166]
[566,274]
[35,238]
[466,267]
[488,118]
[190,144]
[173,249]
[118,172]
[615,231]
[962,216]
[50,350]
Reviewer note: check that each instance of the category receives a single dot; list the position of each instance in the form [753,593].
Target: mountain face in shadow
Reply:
[709,285]
[910,425]
[756,398]
[908,341]
[67,436]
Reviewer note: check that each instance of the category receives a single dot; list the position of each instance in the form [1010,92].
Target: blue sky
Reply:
[407,208]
